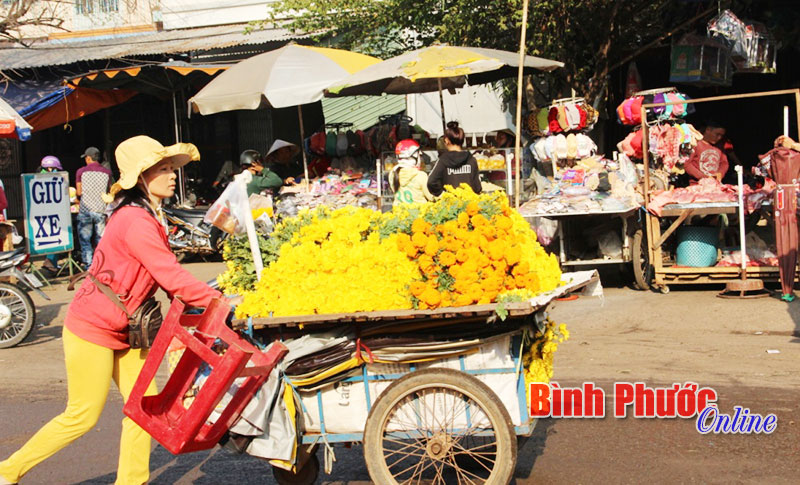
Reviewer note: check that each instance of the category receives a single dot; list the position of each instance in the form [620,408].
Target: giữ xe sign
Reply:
[48,222]
[642,401]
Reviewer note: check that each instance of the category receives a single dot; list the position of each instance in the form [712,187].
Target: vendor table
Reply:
[665,272]
[630,234]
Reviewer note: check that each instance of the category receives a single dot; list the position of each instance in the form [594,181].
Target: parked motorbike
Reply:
[198,192]
[17,312]
[189,236]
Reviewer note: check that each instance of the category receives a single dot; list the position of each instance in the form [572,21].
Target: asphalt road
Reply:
[687,335]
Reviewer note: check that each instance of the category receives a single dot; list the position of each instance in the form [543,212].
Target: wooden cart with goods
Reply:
[448,419]
[660,268]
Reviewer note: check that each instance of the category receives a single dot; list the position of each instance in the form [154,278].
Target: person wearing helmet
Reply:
[408,182]
[51,163]
[263,178]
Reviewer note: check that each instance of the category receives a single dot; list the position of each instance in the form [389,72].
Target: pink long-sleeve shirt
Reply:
[134,259]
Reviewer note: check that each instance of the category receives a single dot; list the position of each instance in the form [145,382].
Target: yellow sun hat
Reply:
[137,154]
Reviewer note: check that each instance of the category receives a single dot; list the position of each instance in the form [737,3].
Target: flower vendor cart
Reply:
[414,331]
[435,395]
[662,268]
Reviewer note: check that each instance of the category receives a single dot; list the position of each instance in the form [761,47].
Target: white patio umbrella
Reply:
[293,75]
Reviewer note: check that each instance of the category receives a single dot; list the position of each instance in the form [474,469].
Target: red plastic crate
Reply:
[163,416]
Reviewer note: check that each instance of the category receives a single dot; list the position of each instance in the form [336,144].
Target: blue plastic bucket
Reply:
[697,246]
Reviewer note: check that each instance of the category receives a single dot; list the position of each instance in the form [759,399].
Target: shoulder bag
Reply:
[143,324]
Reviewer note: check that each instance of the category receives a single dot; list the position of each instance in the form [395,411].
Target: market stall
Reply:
[590,198]
[663,220]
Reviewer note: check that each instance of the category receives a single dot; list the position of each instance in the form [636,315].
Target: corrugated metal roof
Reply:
[362,111]
[59,52]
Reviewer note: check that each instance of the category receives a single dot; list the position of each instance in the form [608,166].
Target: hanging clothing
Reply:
[784,169]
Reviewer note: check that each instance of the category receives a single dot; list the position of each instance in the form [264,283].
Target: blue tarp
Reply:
[30,96]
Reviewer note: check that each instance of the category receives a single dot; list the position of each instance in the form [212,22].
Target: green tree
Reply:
[588,35]
[592,37]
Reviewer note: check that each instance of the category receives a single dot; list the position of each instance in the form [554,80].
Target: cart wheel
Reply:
[442,426]
[304,476]
[664,289]
[640,258]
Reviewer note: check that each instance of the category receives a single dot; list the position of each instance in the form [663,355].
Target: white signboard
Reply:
[48,222]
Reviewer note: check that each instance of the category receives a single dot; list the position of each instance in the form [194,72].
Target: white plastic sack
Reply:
[345,407]
[610,245]
[627,169]
[545,229]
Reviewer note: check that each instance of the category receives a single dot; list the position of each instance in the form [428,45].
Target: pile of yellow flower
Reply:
[486,250]
[334,264]
[462,249]
[537,358]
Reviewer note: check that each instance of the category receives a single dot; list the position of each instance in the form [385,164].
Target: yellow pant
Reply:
[90,369]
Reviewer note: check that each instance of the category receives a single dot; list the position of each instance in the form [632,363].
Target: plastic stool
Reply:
[163,416]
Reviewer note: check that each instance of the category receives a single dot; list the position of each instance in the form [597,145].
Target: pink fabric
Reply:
[706,190]
[134,259]
[625,145]
[636,109]
[636,144]
[672,145]
[677,109]
[626,108]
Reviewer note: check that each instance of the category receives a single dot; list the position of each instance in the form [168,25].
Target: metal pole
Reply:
[181,178]
[441,105]
[797,108]
[302,149]
[742,243]
[796,92]
[518,128]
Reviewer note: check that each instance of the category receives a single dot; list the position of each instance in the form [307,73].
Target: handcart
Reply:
[447,411]
[454,418]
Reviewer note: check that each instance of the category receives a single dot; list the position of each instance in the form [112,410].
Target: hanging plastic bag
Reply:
[227,212]
[727,28]
[262,209]
[627,169]
[545,229]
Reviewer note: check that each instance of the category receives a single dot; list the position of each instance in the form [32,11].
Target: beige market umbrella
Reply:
[290,76]
[293,75]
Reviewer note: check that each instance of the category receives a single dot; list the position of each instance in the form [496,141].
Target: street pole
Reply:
[518,128]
